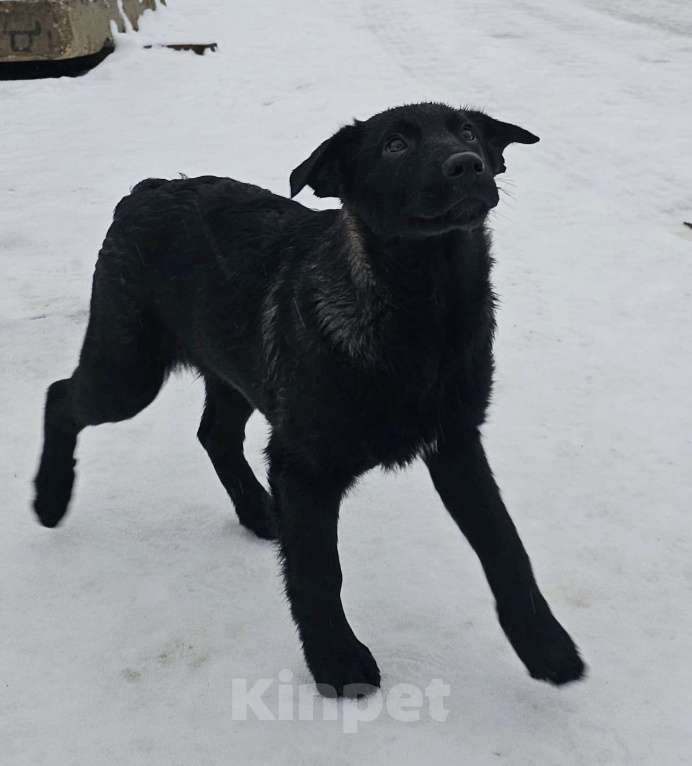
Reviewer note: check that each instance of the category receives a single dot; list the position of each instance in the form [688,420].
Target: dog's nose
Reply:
[463,163]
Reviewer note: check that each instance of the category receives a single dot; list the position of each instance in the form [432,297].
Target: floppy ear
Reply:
[498,136]
[325,170]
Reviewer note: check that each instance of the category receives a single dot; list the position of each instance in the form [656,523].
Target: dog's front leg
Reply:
[462,476]
[308,510]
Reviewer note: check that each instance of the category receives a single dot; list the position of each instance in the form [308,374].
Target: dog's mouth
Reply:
[465,214]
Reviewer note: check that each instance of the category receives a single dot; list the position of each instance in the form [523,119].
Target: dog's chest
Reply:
[392,413]
[384,378]
[404,414]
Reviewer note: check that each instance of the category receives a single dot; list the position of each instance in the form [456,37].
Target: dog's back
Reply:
[194,224]
[197,258]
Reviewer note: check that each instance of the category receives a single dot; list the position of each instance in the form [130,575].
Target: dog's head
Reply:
[414,171]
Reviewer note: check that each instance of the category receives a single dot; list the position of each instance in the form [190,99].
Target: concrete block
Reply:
[53,30]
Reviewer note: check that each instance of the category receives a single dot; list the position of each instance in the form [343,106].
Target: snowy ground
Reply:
[122,631]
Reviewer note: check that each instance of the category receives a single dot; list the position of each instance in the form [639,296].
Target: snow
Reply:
[123,630]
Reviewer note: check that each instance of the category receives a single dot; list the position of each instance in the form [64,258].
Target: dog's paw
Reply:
[545,647]
[53,491]
[348,672]
[556,659]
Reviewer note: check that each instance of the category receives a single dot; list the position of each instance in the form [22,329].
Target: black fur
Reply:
[364,335]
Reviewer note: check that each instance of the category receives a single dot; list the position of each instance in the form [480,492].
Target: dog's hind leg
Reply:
[121,368]
[221,433]
[55,475]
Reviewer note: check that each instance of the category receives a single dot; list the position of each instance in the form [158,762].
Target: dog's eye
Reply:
[467,133]
[395,145]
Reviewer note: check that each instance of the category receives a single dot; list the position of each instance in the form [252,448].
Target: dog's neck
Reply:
[374,293]
[372,258]
[356,236]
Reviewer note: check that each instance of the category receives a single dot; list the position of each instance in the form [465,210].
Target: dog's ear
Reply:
[498,136]
[327,168]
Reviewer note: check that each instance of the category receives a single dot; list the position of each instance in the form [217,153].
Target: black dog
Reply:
[364,335]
